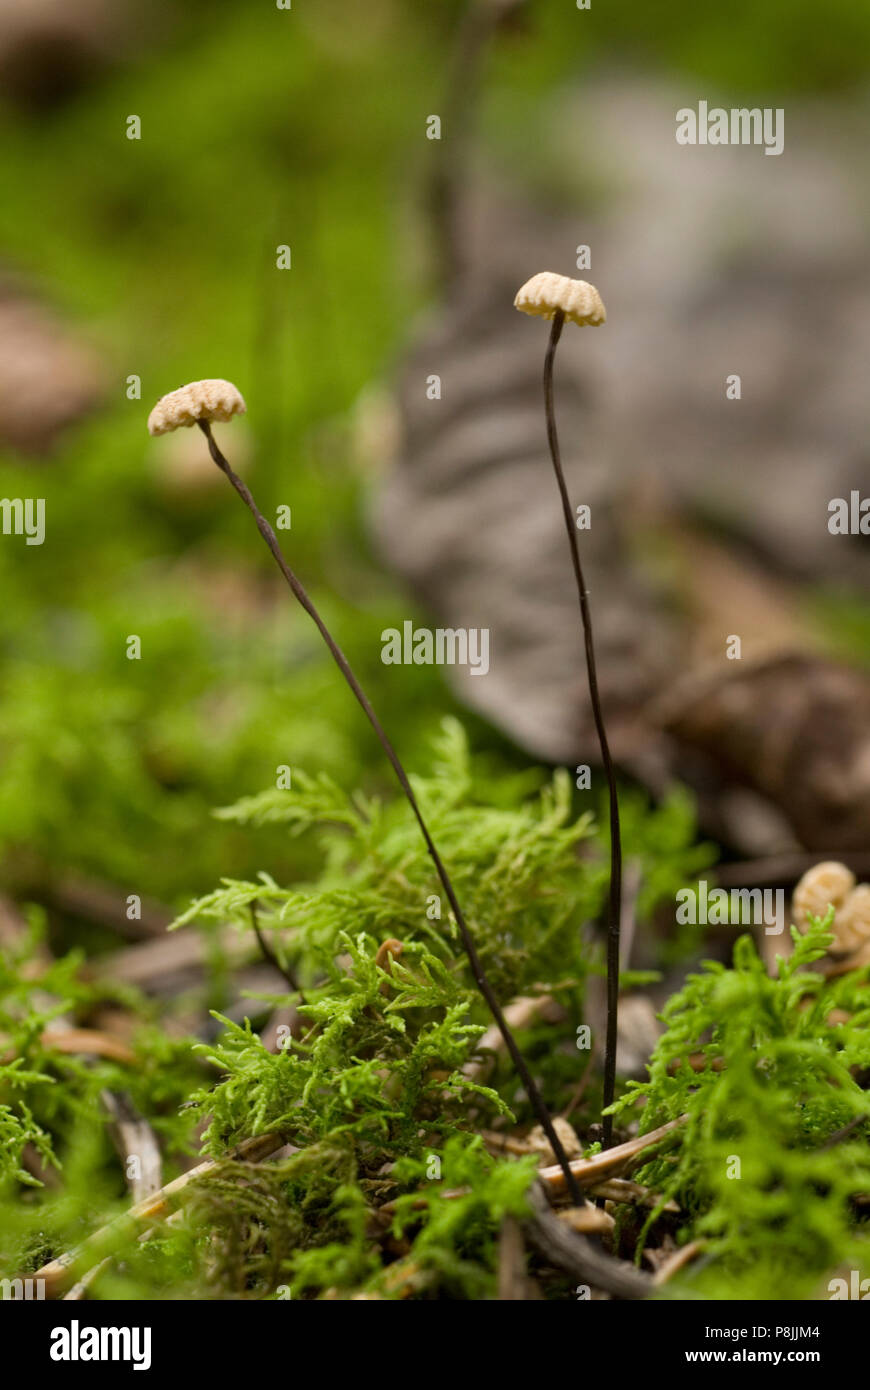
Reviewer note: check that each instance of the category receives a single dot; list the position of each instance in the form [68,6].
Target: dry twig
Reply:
[58,1275]
[588,1171]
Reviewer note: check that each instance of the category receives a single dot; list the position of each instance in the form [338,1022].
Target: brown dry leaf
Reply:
[86,1041]
[588,1219]
[677,1261]
[537,1142]
[512,1280]
[621,1190]
[49,379]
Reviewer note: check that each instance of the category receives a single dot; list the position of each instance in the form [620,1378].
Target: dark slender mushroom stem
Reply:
[271,956]
[615,910]
[341,661]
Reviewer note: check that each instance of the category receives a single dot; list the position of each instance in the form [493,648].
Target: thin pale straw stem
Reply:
[477,970]
[615,908]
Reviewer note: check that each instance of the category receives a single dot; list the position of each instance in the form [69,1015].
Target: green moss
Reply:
[755,1169]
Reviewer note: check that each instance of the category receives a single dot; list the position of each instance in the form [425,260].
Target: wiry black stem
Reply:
[615,842]
[341,661]
[271,956]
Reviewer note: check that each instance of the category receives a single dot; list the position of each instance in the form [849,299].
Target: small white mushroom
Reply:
[852,920]
[546,294]
[824,885]
[833,885]
[213,399]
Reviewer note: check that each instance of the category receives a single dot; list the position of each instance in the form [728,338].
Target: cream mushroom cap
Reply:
[212,399]
[547,293]
[823,885]
[852,921]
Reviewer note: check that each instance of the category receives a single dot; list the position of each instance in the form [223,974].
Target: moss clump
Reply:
[388,1186]
[774,1159]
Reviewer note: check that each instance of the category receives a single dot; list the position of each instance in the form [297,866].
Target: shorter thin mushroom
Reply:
[199,403]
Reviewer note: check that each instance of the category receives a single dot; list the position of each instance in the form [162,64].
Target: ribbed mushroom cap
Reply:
[213,399]
[545,294]
[852,920]
[824,885]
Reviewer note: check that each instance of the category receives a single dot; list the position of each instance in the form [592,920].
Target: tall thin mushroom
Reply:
[558,298]
[200,403]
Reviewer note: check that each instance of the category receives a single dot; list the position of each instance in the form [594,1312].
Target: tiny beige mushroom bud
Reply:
[213,399]
[547,294]
[852,922]
[824,885]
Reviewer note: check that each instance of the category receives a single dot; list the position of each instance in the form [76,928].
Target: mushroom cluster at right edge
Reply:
[831,884]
